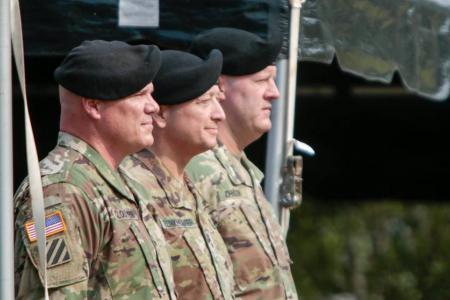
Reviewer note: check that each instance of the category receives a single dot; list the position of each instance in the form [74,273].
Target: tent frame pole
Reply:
[283,117]
[276,141]
[6,157]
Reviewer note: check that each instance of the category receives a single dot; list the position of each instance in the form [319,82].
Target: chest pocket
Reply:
[133,265]
[250,247]
[242,227]
[271,239]
[153,260]
[275,230]
[219,254]
[201,252]
[191,258]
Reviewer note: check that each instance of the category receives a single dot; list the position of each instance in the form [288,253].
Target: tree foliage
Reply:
[371,250]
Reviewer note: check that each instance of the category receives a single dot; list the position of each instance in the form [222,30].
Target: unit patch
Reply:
[174,223]
[57,252]
[54,223]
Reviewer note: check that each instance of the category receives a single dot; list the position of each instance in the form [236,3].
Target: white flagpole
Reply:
[6,158]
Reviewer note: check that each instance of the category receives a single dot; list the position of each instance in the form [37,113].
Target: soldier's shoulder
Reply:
[60,166]
[204,165]
[68,166]
[53,168]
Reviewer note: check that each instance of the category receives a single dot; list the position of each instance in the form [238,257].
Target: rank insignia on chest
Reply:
[54,223]
[177,223]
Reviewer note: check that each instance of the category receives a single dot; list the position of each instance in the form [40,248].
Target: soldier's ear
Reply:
[91,107]
[221,83]
[161,116]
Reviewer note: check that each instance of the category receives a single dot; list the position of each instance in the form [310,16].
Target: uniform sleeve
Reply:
[74,235]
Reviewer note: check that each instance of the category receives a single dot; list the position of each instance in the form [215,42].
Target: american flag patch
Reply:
[54,223]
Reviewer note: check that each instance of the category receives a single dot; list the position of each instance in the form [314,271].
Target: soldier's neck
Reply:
[112,158]
[234,143]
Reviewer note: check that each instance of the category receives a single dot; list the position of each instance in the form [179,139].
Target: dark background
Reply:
[372,140]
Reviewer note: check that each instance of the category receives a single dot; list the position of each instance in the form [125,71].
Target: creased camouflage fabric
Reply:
[246,222]
[201,264]
[109,246]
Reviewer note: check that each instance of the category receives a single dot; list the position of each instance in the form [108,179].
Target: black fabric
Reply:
[108,70]
[184,76]
[179,22]
[243,52]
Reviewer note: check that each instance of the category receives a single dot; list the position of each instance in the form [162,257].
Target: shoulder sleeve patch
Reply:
[57,252]
[54,223]
[66,259]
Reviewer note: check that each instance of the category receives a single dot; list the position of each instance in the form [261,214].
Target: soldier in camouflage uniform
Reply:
[229,181]
[102,242]
[186,90]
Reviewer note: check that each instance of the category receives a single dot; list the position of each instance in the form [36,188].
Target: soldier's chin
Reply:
[266,126]
[209,144]
[147,142]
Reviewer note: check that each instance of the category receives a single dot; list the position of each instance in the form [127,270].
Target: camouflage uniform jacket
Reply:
[246,222]
[201,264]
[101,242]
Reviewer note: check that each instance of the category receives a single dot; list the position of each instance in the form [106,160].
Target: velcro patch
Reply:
[54,223]
[57,252]
[177,223]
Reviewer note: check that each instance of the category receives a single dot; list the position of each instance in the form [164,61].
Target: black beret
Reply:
[243,52]
[184,76]
[108,70]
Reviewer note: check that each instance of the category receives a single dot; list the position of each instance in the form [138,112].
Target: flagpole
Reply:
[6,158]
[275,154]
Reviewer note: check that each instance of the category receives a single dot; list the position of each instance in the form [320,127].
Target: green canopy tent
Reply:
[375,38]
[369,38]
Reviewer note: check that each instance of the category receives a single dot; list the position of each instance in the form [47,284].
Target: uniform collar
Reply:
[236,166]
[172,187]
[259,176]
[112,177]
